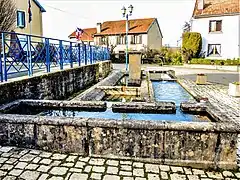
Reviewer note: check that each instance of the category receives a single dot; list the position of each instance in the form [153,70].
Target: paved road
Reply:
[214,76]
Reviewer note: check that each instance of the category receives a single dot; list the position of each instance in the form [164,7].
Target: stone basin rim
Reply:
[111,123]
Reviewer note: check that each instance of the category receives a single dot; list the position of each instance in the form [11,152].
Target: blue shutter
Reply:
[24,20]
[18,18]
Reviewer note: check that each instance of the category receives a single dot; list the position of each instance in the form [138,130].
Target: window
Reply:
[121,39]
[103,40]
[215,26]
[214,50]
[21,19]
[136,39]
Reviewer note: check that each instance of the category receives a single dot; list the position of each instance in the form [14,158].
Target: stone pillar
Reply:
[134,68]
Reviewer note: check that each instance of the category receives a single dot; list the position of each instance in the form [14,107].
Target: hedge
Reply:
[227,62]
[192,43]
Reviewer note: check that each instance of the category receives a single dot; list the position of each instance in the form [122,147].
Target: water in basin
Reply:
[174,92]
[108,114]
[163,91]
[170,91]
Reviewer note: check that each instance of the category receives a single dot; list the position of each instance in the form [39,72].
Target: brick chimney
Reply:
[200,5]
[99,27]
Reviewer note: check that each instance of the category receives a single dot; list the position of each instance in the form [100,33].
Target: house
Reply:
[219,24]
[87,36]
[143,34]
[22,25]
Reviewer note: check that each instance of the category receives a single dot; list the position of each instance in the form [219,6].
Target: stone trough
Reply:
[192,107]
[54,104]
[120,90]
[142,107]
[95,93]
[155,75]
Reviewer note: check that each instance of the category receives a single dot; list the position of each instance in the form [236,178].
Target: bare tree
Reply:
[7,15]
[186,27]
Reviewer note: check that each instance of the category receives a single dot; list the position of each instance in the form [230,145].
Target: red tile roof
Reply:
[217,7]
[119,27]
[87,34]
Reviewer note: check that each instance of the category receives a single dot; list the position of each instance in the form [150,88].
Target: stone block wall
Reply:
[205,145]
[103,66]
[56,85]
[96,94]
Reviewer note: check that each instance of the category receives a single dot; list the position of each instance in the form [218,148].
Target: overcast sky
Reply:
[63,16]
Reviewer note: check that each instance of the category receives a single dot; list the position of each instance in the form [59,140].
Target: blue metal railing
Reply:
[24,53]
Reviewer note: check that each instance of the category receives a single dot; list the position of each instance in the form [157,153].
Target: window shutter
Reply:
[117,40]
[210,26]
[120,39]
[24,21]
[132,39]
[140,39]
[18,22]
[107,41]
[219,26]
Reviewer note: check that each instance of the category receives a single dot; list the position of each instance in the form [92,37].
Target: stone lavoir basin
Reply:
[162,111]
[165,92]
[171,128]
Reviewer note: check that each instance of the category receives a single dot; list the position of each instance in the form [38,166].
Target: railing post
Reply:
[29,56]
[85,53]
[61,54]
[90,53]
[93,54]
[47,54]
[1,70]
[79,54]
[98,54]
[3,67]
[107,58]
[102,53]
[107,51]
[71,55]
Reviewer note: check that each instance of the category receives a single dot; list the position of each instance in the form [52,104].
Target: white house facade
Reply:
[143,34]
[219,25]
[118,42]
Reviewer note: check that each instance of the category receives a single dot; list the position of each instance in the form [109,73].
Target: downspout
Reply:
[238,36]
[191,23]
[238,67]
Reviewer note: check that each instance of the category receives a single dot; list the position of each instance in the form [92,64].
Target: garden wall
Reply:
[55,85]
[203,145]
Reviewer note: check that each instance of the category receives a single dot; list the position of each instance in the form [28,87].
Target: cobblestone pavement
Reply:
[217,95]
[16,163]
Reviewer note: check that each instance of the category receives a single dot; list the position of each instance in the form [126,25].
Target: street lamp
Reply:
[127,14]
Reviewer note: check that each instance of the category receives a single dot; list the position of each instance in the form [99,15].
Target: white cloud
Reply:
[171,15]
